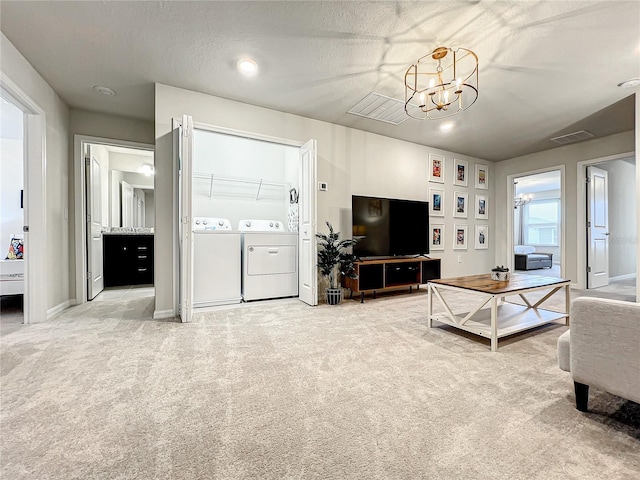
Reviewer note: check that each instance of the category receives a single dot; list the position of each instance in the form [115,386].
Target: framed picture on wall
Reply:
[460,204]
[436,202]
[482,207]
[482,177]
[482,237]
[436,239]
[460,172]
[436,168]
[460,237]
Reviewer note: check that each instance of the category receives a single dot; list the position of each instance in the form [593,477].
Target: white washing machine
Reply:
[216,263]
[269,260]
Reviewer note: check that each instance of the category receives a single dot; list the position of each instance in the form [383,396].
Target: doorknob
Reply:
[607,233]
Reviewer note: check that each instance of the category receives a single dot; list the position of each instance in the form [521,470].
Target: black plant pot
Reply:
[334,296]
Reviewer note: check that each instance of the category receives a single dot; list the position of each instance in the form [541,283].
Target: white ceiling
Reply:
[546,67]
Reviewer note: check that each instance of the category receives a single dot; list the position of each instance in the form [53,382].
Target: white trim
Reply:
[628,276]
[80,206]
[563,210]
[160,314]
[581,214]
[58,308]
[35,155]
[243,134]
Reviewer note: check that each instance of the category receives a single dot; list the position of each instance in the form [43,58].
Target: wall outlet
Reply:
[322,186]
[459,258]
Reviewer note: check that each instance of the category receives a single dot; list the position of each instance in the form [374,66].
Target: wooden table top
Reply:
[483,283]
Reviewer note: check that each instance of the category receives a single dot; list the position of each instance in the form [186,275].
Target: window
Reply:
[542,222]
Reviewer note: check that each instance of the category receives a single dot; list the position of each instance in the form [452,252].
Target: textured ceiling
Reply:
[546,67]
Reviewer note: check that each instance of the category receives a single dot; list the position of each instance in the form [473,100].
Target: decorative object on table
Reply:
[482,177]
[501,274]
[460,204]
[334,261]
[482,237]
[441,83]
[482,207]
[460,172]
[436,239]
[436,202]
[460,237]
[436,168]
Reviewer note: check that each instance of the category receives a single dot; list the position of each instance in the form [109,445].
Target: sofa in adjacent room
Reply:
[526,258]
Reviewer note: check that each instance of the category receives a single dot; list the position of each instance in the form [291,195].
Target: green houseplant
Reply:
[334,261]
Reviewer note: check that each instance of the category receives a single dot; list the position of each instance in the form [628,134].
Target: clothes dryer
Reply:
[269,260]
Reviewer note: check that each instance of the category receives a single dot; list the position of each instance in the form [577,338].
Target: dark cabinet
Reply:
[128,260]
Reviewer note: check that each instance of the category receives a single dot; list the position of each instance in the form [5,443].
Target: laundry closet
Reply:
[245,207]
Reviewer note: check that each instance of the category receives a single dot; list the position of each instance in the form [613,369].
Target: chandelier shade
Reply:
[441,84]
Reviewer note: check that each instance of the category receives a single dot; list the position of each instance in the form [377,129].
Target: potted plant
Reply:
[500,274]
[334,261]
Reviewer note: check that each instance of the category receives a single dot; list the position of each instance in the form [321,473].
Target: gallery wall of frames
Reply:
[458,204]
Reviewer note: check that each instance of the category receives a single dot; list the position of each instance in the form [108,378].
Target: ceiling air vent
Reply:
[572,137]
[381,108]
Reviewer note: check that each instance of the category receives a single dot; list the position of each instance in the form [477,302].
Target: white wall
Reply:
[622,217]
[11,174]
[57,269]
[349,160]
[241,158]
[568,155]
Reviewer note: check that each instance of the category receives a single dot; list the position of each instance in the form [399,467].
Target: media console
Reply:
[391,273]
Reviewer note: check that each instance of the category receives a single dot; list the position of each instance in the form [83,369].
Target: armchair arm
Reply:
[605,345]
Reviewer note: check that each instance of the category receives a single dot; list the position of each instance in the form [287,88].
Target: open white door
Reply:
[186,238]
[597,228]
[95,278]
[307,255]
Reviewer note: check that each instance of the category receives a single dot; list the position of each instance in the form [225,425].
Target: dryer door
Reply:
[271,259]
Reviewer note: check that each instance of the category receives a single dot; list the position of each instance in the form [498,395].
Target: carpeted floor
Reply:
[282,390]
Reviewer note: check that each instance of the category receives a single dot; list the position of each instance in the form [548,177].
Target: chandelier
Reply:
[442,83]
[521,200]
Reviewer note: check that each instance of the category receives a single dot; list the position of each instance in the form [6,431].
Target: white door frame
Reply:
[215,129]
[34,154]
[581,217]
[510,227]
[80,189]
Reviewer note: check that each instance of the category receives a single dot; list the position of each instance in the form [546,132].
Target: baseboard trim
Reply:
[628,276]
[159,314]
[58,308]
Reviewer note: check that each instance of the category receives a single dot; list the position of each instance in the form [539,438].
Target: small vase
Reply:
[334,296]
[501,276]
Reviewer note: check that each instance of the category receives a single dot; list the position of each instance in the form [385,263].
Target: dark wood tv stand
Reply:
[391,273]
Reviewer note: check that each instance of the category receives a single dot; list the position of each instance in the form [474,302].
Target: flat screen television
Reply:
[386,227]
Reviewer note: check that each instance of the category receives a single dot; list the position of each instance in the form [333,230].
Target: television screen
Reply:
[389,227]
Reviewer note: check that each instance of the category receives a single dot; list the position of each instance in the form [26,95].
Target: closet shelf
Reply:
[248,181]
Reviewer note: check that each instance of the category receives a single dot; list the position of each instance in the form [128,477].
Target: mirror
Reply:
[132,199]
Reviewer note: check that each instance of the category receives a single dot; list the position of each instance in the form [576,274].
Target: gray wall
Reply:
[57,272]
[622,217]
[349,160]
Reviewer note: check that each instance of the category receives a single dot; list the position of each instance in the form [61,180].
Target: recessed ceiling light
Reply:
[110,92]
[445,127]
[248,66]
[631,83]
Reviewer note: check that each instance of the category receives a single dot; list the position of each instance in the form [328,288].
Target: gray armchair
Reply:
[602,348]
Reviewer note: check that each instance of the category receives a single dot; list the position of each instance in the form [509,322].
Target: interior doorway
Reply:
[23,231]
[538,232]
[115,219]
[12,173]
[611,225]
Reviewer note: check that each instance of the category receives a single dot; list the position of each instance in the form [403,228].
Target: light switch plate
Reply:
[322,186]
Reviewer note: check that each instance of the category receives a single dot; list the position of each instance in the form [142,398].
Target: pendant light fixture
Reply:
[442,83]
